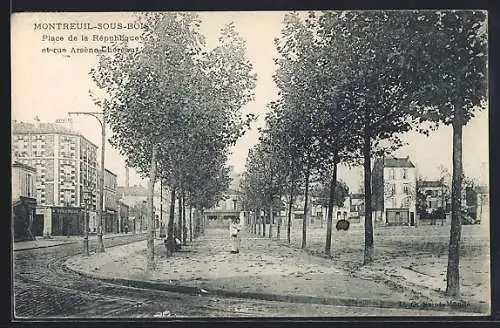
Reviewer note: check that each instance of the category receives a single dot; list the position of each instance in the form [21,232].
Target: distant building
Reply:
[435,193]
[357,208]
[65,162]
[476,202]
[394,191]
[342,212]
[24,202]
[483,203]
[135,197]
[123,217]
[111,224]
[231,206]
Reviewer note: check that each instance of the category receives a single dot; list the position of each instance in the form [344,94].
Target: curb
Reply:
[462,306]
[47,246]
[65,243]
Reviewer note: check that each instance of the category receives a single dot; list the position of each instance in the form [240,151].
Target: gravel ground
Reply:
[267,266]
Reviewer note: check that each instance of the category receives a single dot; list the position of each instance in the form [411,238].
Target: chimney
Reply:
[66,123]
[126,177]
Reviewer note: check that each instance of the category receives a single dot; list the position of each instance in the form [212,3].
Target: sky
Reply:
[49,85]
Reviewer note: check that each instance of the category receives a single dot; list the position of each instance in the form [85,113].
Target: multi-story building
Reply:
[66,165]
[110,223]
[24,202]
[394,191]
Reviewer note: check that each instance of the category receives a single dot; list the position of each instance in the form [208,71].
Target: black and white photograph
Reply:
[171,165]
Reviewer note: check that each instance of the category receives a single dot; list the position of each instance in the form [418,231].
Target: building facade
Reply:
[24,202]
[435,194]
[123,217]
[357,208]
[66,164]
[433,200]
[111,223]
[482,203]
[394,191]
[135,197]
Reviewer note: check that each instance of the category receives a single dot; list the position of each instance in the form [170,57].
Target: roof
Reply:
[398,162]
[45,128]
[431,184]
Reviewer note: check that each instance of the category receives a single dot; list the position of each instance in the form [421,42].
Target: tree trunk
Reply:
[252,222]
[184,227]
[196,223]
[453,271]
[278,228]
[331,200]
[264,224]
[151,216]
[202,221]
[369,249]
[170,225]
[271,220]
[190,223]
[306,196]
[255,222]
[179,217]
[290,209]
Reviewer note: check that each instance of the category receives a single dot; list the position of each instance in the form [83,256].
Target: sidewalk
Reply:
[263,270]
[42,242]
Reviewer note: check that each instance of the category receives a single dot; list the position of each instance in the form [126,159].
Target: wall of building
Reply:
[23,182]
[65,164]
[399,189]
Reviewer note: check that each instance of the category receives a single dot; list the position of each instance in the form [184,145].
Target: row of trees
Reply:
[174,107]
[350,84]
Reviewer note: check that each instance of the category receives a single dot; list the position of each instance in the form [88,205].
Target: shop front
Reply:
[111,223]
[23,215]
[67,221]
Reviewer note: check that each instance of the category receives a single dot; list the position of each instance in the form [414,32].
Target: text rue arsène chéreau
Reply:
[86,50]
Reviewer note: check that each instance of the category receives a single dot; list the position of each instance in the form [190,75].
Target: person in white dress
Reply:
[234,232]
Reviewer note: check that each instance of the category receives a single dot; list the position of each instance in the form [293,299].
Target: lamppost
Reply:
[100,117]
[87,194]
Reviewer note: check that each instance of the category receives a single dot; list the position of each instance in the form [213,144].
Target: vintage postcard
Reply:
[172,165]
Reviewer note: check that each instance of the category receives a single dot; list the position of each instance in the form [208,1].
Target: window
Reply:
[26,185]
[406,188]
[391,173]
[405,173]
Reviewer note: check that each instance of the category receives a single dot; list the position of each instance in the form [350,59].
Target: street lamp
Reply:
[87,194]
[100,117]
